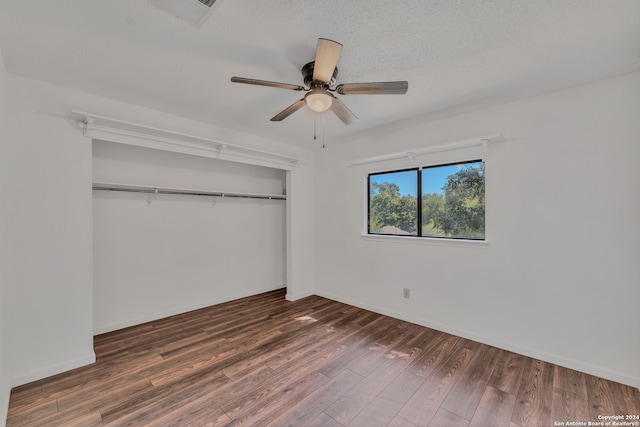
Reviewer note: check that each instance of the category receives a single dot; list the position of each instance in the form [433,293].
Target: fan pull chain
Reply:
[323,126]
[315,133]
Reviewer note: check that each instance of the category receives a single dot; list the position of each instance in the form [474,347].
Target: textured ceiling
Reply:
[456,54]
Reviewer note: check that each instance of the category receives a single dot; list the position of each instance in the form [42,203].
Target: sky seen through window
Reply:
[433,179]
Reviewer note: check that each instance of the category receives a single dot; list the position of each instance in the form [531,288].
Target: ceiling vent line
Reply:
[207,3]
[194,12]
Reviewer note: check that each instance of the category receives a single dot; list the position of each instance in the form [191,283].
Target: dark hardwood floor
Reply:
[265,361]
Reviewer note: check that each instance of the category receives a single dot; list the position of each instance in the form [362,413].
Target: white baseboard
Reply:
[295,297]
[161,315]
[53,370]
[547,357]
[4,399]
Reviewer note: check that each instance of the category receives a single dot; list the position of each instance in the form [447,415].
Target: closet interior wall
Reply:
[162,254]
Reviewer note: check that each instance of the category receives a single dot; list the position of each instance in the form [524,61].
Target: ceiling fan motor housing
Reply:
[307,75]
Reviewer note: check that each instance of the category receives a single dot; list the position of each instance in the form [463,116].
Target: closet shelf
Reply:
[124,132]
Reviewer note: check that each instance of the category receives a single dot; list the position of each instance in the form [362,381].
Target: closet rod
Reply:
[157,190]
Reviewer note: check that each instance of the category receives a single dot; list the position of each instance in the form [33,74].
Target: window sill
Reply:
[426,240]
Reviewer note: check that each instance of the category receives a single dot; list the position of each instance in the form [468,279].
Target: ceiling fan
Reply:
[319,78]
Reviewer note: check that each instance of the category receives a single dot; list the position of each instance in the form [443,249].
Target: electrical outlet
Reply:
[406,292]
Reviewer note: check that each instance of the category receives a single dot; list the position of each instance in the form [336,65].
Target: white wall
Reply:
[301,268]
[48,215]
[559,279]
[5,381]
[179,253]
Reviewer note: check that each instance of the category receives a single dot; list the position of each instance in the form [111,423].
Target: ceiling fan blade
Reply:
[327,54]
[266,83]
[289,110]
[343,113]
[375,88]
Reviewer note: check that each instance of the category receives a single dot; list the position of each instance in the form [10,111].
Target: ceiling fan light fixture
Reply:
[319,101]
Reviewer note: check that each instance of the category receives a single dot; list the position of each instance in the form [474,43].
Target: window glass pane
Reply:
[453,201]
[393,203]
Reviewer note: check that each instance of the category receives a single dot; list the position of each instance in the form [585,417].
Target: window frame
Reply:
[418,235]
[419,204]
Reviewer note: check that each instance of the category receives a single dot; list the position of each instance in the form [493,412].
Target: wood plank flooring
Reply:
[265,361]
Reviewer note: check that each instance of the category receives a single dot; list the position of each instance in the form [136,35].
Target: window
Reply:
[393,203]
[443,201]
